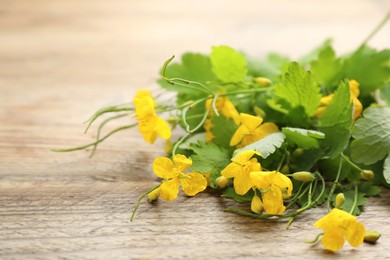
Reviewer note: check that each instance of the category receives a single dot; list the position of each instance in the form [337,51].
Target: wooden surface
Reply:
[62,60]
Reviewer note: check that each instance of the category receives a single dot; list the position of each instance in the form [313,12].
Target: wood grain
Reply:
[62,60]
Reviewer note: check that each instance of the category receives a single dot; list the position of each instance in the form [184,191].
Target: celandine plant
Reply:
[277,135]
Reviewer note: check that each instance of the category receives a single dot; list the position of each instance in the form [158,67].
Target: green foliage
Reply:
[349,202]
[385,94]
[368,67]
[303,138]
[272,67]
[298,88]
[228,64]
[229,192]
[369,189]
[371,133]
[336,121]
[223,130]
[209,158]
[266,145]
[327,68]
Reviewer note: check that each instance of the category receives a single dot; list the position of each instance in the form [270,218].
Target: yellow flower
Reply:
[150,125]
[357,105]
[273,185]
[172,171]
[251,130]
[223,106]
[339,225]
[239,169]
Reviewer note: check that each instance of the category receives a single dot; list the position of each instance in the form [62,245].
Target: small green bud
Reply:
[153,195]
[367,175]
[303,176]
[372,236]
[340,198]
[259,112]
[285,169]
[222,182]
[298,152]
[263,82]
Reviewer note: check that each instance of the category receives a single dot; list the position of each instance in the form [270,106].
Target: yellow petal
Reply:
[324,101]
[231,170]
[162,128]
[257,205]
[354,88]
[150,137]
[262,179]
[229,111]
[193,183]
[240,133]
[273,201]
[242,183]
[244,157]
[357,108]
[333,239]
[164,168]
[169,189]
[142,93]
[355,234]
[264,130]
[182,162]
[283,182]
[250,121]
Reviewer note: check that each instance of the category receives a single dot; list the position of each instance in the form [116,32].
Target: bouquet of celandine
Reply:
[277,135]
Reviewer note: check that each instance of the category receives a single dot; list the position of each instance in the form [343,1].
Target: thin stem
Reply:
[355,199]
[140,199]
[333,188]
[315,239]
[97,142]
[103,111]
[376,29]
[351,163]
[100,129]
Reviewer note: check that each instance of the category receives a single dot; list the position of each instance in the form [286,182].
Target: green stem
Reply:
[355,199]
[333,188]
[103,111]
[140,199]
[315,239]
[376,29]
[351,163]
[100,129]
[97,142]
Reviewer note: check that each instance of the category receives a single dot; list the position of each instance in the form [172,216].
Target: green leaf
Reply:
[223,130]
[209,158]
[336,121]
[349,202]
[194,67]
[368,67]
[385,94]
[313,54]
[369,189]
[228,64]
[193,139]
[327,68]
[372,135]
[271,67]
[299,88]
[304,199]
[231,194]
[303,138]
[266,145]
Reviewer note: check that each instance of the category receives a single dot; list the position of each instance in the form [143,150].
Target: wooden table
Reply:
[62,60]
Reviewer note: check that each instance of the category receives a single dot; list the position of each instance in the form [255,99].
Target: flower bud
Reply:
[153,195]
[298,152]
[222,182]
[339,200]
[259,112]
[372,236]
[263,82]
[285,169]
[256,205]
[303,176]
[367,175]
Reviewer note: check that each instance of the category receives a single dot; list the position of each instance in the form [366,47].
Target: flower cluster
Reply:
[278,142]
